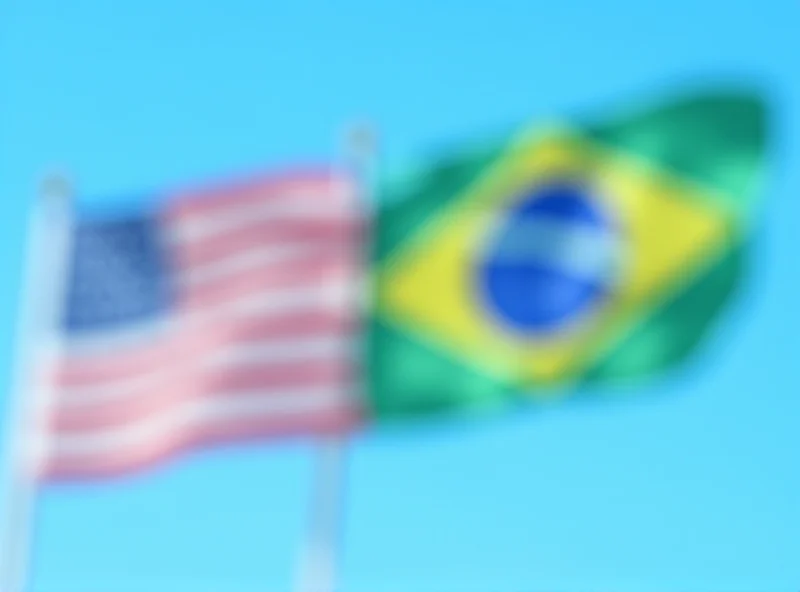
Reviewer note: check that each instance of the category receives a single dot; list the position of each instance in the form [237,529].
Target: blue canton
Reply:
[119,274]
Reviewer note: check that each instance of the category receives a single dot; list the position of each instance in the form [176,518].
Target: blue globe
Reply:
[552,258]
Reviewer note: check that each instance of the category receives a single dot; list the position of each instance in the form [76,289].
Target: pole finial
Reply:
[55,185]
[362,139]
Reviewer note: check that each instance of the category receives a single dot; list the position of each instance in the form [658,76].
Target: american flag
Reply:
[223,314]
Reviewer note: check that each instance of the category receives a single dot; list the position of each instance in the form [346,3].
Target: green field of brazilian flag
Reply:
[567,254]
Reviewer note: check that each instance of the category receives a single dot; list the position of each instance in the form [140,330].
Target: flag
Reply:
[574,254]
[218,315]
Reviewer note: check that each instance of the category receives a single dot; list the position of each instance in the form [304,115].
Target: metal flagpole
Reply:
[36,350]
[319,561]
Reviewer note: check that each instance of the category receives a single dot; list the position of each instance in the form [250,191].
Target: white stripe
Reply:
[286,351]
[305,206]
[192,416]
[310,350]
[251,260]
[561,245]
[334,295]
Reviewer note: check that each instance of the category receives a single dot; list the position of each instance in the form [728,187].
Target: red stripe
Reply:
[103,466]
[265,233]
[117,365]
[192,385]
[207,200]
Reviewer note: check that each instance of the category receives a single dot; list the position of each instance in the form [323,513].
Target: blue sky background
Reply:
[692,486]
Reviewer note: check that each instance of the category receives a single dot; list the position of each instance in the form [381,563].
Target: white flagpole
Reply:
[41,304]
[319,560]
[321,552]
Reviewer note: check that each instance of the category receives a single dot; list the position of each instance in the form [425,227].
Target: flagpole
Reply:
[321,552]
[36,338]
[319,561]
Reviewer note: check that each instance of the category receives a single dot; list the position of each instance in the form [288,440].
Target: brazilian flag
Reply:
[562,256]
